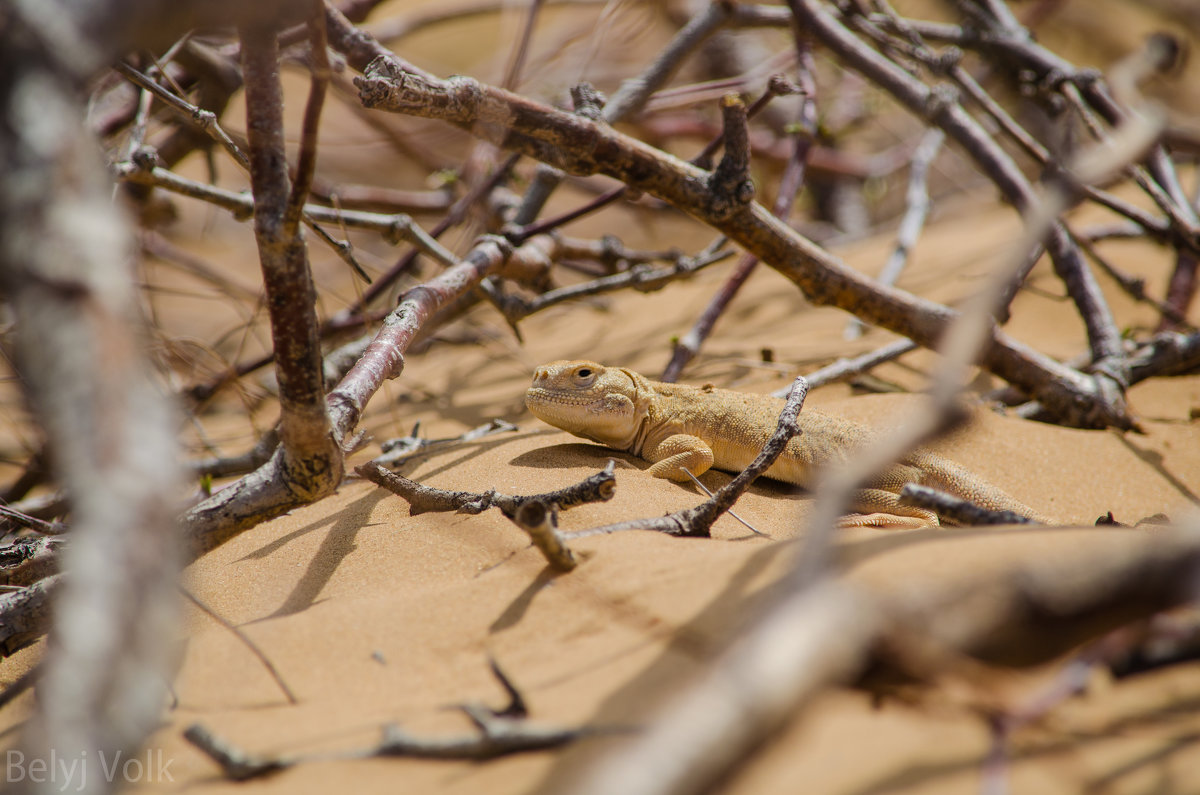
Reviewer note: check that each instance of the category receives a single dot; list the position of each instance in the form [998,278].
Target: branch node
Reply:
[730,185]
[941,98]
[946,61]
[145,158]
[540,520]
[588,102]
[780,85]
[398,231]
[504,244]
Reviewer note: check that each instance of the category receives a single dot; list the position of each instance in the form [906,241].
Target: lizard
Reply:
[683,429]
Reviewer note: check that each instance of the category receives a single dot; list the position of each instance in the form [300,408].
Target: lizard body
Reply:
[681,429]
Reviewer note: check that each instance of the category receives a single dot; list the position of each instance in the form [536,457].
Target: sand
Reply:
[373,616]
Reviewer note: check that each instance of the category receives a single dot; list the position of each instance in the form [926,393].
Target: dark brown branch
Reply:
[520,51]
[1135,287]
[729,185]
[1166,353]
[235,763]
[957,510]
[311,460]
[359,47]
[306,161]
[1181,290]
[500,733]
[599,487]
[203,120]
[240,464]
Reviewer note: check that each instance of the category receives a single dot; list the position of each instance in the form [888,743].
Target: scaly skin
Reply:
[681,429]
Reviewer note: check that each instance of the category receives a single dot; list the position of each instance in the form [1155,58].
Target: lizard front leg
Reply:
[677,453]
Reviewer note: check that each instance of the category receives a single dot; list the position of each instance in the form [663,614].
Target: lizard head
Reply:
[604,404]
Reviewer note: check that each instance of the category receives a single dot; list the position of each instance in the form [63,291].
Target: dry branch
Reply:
[500,733]
[384,357]
[29,559]
[957,510]
[399,448]
[580,146]
[829,633]
[310,460]
[811,640]
[599,487]
[843,369]
[641,277]
[25,615]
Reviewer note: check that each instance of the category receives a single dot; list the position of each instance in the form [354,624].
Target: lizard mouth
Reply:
[536,398]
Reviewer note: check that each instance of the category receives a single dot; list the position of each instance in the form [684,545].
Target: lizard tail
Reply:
[945,475]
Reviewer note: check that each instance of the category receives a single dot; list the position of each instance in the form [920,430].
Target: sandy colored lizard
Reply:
[677,427]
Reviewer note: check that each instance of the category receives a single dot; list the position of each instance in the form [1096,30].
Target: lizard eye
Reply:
[584,372]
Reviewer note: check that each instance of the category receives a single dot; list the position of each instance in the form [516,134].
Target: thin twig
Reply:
[917,199]
[843,369]
[306,160]
[644,278]
[245,640]
[16,518]
[707,493]
[203,120]
[394,227]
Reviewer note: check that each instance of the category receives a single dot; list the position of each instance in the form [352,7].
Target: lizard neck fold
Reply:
[643,397]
